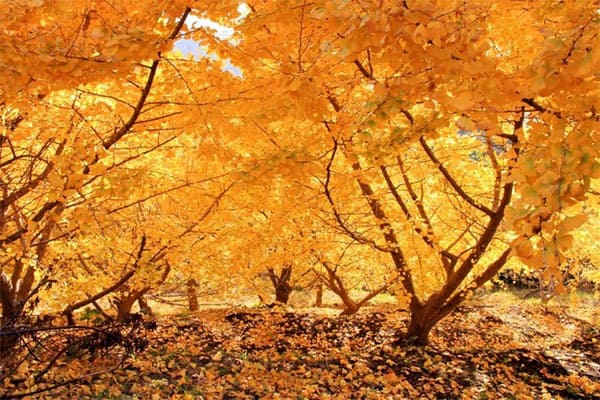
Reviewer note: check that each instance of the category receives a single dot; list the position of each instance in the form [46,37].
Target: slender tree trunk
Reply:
[319,296]
[335,283]
[144,306]
[192,295]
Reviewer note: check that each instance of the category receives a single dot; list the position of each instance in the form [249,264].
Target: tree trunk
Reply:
[125,303]
[281,283]
[261,300]
[319,296]
[12,311]
[423,317]
[145,307]
[7,322]
[192,295]
[418,330]
[350,308]
[282,292]
[9,311]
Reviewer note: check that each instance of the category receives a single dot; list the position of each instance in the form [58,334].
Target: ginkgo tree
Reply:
[75,122]
[285,239]
[375,82]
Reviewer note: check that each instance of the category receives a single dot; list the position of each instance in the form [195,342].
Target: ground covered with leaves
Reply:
[485,351]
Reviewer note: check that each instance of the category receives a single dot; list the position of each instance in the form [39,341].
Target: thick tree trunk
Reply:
[418,330]
[12,312]
[192,295]
[8,314]
[7,342]
[422,320]
[350,307]
[7,347]
[125,303]
[282,292]
[14,292]
[423,317]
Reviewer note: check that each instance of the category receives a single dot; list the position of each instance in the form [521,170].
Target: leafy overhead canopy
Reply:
[439,137]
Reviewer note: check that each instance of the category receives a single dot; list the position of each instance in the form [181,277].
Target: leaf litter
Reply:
[485,351]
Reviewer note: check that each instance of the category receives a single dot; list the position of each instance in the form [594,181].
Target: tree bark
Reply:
[423,318]
[319,296]
[418,331]
[281,284]
[282,292]
[144,306]
[192,295]
[350,306]
[126,302]
[7,320]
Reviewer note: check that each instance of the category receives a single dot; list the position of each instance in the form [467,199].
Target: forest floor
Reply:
[491,349]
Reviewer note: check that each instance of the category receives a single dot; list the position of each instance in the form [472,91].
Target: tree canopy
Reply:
[414,144]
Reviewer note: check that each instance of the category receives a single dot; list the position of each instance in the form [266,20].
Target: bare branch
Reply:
[377,291]
[341,223]
[538,107]
[363,70]
[69,310]
[450,179]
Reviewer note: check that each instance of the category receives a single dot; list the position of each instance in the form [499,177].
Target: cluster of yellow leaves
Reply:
[57,44]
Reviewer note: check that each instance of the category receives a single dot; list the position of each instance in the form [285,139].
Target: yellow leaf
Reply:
[85,389]
[538,83]
[595,173]
[137,389]
[565,242]
[571,223]
[529,194]
[55,179]
[97,169]
[534,261]
[522,247]
[463,101]
[466,124]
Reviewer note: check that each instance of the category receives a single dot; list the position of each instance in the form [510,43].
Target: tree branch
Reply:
[450,179]
[119,133]
[538,107]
